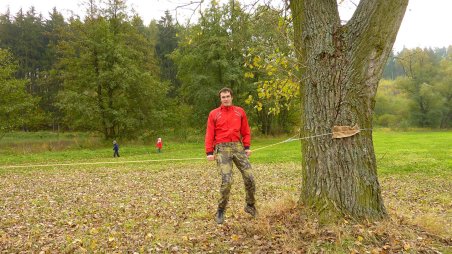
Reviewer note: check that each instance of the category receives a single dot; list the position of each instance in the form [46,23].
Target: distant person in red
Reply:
[159,145]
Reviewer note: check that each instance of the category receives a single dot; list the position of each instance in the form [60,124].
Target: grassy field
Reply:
[124,205]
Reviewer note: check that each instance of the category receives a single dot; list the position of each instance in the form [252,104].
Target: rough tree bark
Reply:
[341,66]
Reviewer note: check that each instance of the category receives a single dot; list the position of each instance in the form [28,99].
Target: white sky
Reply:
[426,23]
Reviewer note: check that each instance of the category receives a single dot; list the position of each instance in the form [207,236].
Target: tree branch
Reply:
[370,26]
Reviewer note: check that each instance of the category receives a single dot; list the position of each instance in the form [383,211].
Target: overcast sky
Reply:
[426,23]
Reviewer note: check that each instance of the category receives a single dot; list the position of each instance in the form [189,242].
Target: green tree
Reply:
[16,105]
[6,30]
[30,39]
[392,69]
[110,73]
[49,82]
[167,42]
[419,84]
[210,56]
[341,65]
[444,88]
[269,62]
[28,46]
[391,107]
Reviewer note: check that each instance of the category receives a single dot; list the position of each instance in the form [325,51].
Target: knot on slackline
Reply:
[345,131]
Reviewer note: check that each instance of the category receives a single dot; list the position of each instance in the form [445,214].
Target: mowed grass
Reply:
[168,206]
[50,150]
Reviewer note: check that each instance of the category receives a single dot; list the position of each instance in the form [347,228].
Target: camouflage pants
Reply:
[225,154]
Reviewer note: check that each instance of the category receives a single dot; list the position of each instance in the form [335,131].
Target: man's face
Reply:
[226,99]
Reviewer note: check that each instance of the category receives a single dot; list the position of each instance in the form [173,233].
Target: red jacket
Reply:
[227,124]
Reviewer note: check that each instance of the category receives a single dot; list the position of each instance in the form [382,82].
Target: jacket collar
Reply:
[222,107]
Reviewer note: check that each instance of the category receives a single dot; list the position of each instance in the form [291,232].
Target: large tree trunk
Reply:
[341,66]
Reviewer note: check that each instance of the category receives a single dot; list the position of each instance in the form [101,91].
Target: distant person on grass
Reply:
[115,149]
[159,145]
[228,139]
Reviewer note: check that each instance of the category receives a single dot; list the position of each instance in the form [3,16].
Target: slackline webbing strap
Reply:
[161,160]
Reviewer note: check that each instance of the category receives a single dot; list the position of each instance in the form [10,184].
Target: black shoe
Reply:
[251,209]
[219,217]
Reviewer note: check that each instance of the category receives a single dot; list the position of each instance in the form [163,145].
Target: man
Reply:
[228,136]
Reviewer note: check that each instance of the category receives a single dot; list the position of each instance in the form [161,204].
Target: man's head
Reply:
[225,96]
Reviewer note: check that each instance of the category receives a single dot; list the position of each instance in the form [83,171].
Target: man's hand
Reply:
[210,157]
[248,152]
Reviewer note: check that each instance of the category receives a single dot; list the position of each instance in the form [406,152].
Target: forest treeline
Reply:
[108,72]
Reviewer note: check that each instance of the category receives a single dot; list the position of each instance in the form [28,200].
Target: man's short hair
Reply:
[224,90]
